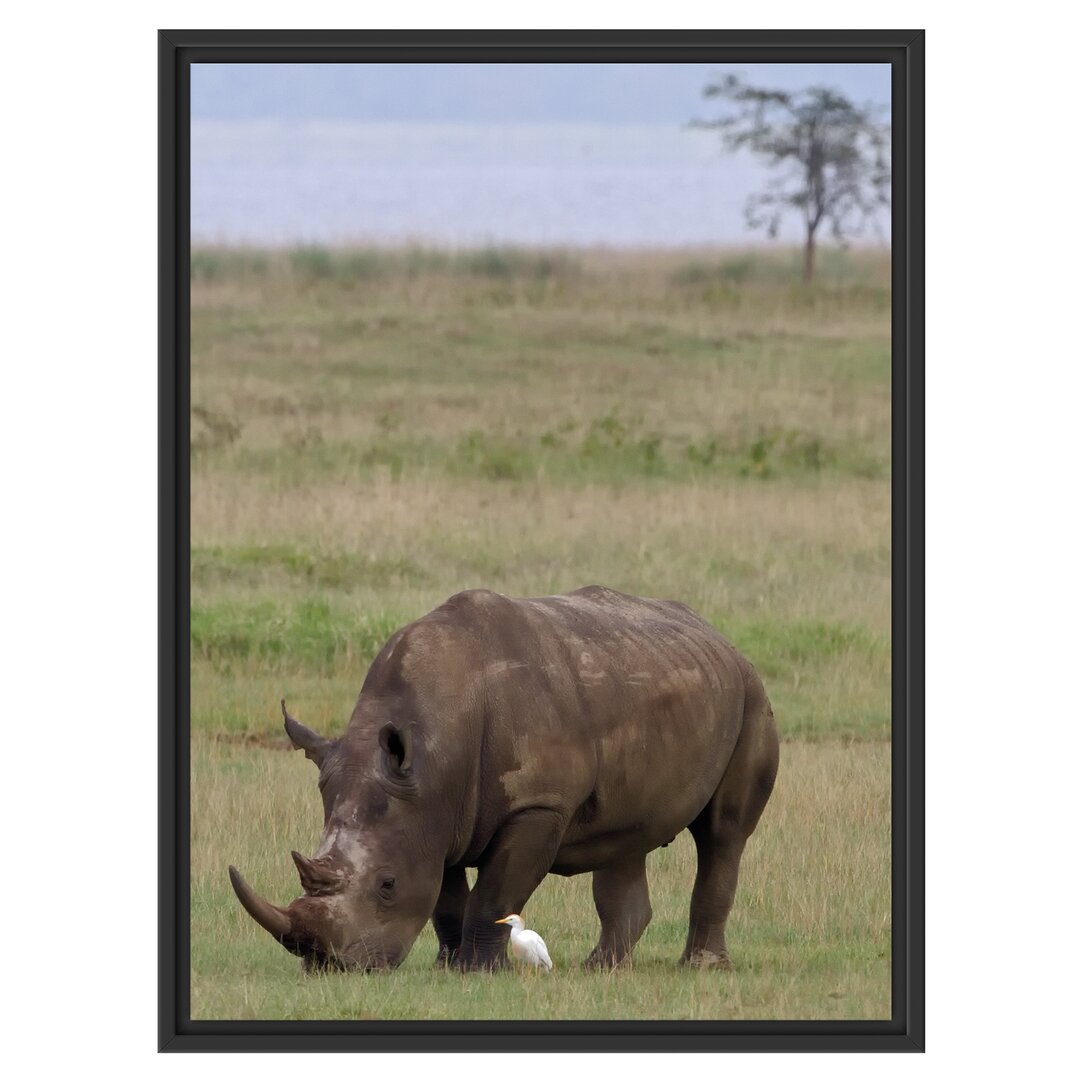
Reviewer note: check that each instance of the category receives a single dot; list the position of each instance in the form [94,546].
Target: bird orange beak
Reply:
[507,919]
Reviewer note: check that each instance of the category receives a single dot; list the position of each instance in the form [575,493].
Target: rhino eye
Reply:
[387,883]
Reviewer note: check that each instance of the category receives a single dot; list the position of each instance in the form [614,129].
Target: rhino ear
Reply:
[396,744]
[303,738]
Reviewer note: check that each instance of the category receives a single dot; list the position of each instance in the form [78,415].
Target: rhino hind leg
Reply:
[516,861]
[621,894]
[449,914]
[721,830]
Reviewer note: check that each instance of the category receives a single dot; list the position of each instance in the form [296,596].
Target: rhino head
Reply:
[375,878]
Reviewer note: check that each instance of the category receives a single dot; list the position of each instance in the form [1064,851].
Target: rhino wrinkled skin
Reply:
[559,734]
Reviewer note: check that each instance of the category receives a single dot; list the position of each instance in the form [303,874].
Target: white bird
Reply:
[526,945]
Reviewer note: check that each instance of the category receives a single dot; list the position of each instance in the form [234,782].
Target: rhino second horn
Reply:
[269,917]
[316,879]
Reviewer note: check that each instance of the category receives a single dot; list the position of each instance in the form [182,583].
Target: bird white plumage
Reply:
[526,945]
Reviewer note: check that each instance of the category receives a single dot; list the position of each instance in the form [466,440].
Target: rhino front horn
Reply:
[269,917]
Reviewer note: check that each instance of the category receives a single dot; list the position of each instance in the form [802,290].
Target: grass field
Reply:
[373,431]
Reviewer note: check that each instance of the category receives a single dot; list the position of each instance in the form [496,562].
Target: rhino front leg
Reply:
[449,914]
[509,871]
[621,894]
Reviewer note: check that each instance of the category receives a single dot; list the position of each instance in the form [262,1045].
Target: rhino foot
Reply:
[447,957]
[604,960]
[706,958]
[477,963]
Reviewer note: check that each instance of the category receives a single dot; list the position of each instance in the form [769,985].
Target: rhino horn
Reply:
[269,917]
[316,879]
[303,738]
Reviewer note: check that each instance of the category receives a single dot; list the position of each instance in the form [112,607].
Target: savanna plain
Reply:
[375,430]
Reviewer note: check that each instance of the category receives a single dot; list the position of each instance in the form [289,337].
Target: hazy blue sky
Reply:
[478,153]
[495,93]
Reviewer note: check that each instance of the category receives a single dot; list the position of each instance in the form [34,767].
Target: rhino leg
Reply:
[449,914]
[714,894]
[515,862]
[621,894]
[721,830]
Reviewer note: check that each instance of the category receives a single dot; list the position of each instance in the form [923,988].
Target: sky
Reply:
[496,93]
[475,154]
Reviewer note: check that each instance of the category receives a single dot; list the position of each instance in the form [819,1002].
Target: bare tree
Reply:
[833,157]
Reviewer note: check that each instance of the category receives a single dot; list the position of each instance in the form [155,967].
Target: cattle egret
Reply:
[526,945]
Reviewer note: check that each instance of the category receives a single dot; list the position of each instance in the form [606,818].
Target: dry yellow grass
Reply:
[810,933]
[374,431]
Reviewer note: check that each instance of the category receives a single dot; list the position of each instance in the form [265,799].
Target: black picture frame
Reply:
[904,51]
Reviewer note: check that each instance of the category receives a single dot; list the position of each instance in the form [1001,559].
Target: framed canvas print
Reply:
[541,540]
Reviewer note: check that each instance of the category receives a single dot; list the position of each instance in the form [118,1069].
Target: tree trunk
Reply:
[808,258]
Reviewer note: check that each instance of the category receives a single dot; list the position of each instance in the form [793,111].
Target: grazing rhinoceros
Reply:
[560,734]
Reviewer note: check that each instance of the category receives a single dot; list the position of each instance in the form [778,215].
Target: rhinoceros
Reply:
[558,734]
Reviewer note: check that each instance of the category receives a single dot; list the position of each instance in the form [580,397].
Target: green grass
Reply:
[799,660]
[608,450]
[374,430]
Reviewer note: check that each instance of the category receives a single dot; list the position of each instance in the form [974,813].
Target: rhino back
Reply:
[618,712]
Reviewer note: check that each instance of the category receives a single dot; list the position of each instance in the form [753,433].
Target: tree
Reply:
[833,155]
